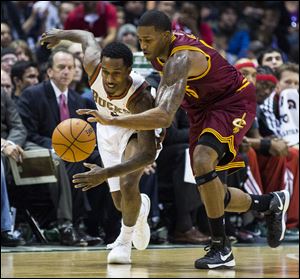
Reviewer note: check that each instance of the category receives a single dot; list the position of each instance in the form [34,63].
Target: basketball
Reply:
[74,140]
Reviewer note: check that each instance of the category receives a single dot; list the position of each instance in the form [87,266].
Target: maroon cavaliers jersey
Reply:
[219,101]
[220,80]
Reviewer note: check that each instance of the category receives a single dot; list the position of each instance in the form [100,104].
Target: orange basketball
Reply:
[74,140]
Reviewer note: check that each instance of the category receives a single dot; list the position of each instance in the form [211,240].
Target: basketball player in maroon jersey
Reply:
[221,107]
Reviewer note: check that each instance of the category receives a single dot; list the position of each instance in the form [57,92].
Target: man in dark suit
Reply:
[43,106]
[13,140]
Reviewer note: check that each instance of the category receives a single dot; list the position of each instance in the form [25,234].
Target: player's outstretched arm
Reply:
[141,155]
[169,97]
[90,46]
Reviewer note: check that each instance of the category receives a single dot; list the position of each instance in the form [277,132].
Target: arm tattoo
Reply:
[172,86]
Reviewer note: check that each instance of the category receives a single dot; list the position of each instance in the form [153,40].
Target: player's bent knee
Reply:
[203,160]
[227,198]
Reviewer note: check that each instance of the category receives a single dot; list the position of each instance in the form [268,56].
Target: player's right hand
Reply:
[51,38]
[96,116]
[90,179]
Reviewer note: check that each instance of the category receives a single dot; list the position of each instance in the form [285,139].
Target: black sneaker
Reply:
[219,255]
[9,240]
[69,237]
[275,217]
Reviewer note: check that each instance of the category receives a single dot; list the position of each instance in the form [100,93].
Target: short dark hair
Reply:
[155,18]
[265,70]
[20,67]
[266,51]
[118,50]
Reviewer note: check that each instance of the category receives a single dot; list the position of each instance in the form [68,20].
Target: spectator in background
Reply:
[80,79]
[231,34]
[76,50]
[10,14]
[98,17]
[290,18]
[133,11]
[7,238]
[22,50]
[6,37]
[32,20]
[23,74]
[64,10]
[189,21]
[167,7]
[270,32]
[127,35]
[271,57]
[120,16]
[8,59]
[6,83]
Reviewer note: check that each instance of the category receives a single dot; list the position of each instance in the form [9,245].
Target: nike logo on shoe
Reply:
[224,258]
[280,207]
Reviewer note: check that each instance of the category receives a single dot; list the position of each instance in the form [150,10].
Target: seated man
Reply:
[7,239]
[13,137]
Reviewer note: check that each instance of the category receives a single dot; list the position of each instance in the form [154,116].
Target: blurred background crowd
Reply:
[260,38]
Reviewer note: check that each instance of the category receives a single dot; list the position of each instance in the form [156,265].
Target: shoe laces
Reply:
[211,250]
[117,242]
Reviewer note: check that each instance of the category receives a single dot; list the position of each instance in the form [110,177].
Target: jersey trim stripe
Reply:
[229,140]
[231,165]
[186,47]
[94,75]
[144,85]
[206,44]
[243,86]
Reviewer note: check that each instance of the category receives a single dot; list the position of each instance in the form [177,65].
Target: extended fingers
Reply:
[83,185]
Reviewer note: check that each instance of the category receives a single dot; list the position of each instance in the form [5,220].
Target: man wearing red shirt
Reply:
[100,18]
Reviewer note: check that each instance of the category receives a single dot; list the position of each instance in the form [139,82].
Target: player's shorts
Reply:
[227,121]
[112,142]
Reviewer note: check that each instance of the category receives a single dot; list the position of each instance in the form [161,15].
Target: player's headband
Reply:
[244,65]
[268,77]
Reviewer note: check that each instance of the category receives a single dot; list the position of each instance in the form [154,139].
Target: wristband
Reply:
[265,145]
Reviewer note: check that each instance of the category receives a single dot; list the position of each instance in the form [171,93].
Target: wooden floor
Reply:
[251,262]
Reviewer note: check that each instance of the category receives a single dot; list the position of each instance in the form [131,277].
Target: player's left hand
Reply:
[97,117]
[51,38]
[90,179]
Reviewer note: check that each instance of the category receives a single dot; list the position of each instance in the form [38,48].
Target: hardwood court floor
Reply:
[252,262]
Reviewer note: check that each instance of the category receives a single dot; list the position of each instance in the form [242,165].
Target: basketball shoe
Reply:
[275,217]
[141,234]
[120,253]
[219,255]
[121,248]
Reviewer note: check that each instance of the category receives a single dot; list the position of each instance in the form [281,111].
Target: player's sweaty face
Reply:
[115,75]
[150,41]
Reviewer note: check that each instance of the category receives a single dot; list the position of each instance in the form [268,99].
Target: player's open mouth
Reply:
[110,85]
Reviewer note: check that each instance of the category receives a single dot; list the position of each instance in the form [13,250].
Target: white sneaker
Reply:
[141,234]
[120,253]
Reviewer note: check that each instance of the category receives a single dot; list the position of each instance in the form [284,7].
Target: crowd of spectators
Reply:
[260,38]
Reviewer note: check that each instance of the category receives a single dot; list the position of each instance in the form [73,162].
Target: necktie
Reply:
[63,108]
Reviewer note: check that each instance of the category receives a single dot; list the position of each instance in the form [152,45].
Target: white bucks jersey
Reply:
[115,106]
[112,140]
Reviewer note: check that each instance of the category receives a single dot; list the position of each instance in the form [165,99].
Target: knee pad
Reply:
[202,179]
[227,198]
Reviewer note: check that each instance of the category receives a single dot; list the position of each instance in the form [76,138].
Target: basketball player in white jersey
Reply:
[117,91]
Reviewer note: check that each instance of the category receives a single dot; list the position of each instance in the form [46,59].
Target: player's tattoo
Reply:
[172,86]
